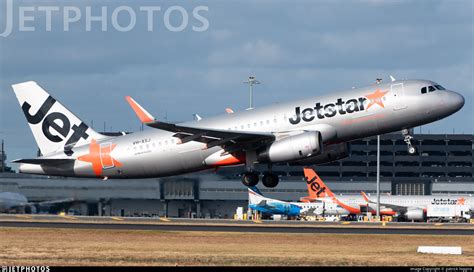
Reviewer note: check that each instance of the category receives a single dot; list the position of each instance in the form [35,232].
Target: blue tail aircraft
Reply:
[291,209]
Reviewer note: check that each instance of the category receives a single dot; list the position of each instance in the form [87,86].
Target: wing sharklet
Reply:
[143,115]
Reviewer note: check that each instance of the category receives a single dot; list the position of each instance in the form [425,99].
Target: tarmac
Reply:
[226,225]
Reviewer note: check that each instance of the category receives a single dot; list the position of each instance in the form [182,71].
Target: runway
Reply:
[165,224]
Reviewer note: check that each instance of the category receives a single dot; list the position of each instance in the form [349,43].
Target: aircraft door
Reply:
[398,95]
[105,158]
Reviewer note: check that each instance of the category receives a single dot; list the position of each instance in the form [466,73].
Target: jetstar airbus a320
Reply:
[305,132]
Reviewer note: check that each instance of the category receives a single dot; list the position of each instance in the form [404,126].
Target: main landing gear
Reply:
[269,179]
[410,147]
[250,177]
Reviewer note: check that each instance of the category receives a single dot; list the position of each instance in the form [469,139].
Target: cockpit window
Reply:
[431,88]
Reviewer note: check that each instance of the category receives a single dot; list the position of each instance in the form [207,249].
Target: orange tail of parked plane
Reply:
[317,189]
[316,186]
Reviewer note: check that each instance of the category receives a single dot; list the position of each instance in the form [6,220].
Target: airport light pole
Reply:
[378,176]
[251,81]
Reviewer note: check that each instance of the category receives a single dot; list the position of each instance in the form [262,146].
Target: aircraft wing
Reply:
[56,201]
[393,207]
[211,137]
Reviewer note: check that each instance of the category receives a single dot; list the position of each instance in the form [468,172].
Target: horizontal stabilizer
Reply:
[47,162]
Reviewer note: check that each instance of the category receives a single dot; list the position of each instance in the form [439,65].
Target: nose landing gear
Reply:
[410,147]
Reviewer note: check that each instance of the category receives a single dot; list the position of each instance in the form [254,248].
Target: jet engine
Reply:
[415,214]
[292,148]
[331,153]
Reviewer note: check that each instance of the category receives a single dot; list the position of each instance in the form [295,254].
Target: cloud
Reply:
[259,52]
[296,50]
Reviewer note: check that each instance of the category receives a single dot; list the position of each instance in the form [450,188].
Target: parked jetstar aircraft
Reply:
[318,190]
[404,207]
[307,132]
[415,207]
[16,202]
[272,206]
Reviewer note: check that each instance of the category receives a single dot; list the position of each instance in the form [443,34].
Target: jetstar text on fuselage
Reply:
[449,201]
[329,110]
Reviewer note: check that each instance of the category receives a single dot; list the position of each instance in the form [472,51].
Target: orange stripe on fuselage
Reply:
[232,160]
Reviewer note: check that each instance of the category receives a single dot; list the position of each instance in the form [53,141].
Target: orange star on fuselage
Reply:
[94,157]
[376,98]
[461,201]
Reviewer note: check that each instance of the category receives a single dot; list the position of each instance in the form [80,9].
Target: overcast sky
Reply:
[297,49]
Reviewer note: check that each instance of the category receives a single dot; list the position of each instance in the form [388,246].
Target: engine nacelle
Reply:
[415,214]
[293,148]
[331,153]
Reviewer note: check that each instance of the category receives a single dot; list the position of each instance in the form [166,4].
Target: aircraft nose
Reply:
[456,101]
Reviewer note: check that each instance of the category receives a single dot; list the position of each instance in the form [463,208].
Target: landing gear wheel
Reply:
[270,180]
[250,179]
[407,138]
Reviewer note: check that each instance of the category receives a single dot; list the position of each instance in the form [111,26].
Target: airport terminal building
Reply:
[442,165]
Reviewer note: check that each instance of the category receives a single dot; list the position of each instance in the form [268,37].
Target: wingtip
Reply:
[142,114]
[364,195]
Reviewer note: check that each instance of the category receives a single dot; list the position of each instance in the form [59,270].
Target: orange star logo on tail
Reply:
[376,98]
[100,157]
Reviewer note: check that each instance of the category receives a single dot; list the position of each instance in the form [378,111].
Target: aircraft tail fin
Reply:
[316,186]
[54,127]
[255,196]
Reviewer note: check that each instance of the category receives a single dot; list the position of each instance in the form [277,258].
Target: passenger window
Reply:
[431,89]
[423,90]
